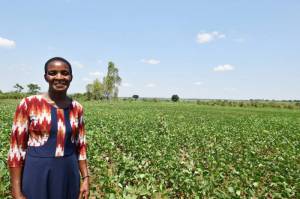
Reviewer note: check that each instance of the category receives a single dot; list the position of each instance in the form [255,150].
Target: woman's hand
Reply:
[18,195]
[84,189]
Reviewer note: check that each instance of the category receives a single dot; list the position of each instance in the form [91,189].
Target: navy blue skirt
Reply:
[51,178]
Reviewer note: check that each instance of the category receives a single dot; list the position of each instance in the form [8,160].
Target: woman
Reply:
[48,142]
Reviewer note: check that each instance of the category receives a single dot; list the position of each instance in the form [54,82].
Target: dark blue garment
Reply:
[46,176]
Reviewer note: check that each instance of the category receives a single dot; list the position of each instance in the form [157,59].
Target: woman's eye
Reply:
[52,73]
[65,73]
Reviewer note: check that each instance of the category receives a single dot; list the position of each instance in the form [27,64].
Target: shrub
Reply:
[175,98]
[135,97]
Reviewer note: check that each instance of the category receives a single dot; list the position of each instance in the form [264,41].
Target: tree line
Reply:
[107,89]
[32,88]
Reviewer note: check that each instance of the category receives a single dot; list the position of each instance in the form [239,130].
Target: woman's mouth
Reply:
[60,84]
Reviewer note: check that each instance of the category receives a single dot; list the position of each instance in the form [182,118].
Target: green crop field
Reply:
[183,150]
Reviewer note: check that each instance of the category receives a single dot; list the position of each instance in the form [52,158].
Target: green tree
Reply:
[33,88]
[135,97]
[18,88]
[111,81]
[89,91]
[95,90]
[175,98]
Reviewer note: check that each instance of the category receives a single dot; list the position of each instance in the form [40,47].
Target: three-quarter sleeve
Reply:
[81,138]
[19,136]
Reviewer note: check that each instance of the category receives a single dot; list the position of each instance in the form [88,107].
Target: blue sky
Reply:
[197,49]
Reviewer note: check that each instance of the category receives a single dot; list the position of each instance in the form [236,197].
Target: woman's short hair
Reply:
[57,59]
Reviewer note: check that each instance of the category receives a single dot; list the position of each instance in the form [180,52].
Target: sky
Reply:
[230,49]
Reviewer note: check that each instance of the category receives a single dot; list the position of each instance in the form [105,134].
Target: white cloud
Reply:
[150,61]
[150,85]
[96,73]
[198,83]
[206,37]
[7,43]
[223,68]
[77,64]
[125,84]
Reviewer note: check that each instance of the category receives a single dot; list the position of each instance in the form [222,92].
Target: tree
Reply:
[18,88]
[95,90]
[108,88]
[111,81]
[175,98]
[89,91]
[135,97]
[33,88]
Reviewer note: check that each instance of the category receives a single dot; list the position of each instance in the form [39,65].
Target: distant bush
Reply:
[78,96]
[150,99]
[135,97]
[290,104]
[175,98]
[13,95]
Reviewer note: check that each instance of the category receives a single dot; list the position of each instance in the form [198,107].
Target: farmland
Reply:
[183,150]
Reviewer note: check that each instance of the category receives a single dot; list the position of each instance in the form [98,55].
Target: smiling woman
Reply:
[48,142]
[58,73]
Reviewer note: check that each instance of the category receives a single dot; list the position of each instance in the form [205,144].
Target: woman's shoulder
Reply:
[28,102]
[31,99]
[77,105]
[35,97]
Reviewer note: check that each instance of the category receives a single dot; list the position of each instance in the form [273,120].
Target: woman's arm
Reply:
[83,168]
[15,180]
[84,187]
[17,149]
[81,149]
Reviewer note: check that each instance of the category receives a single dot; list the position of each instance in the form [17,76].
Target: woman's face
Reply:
[58,76]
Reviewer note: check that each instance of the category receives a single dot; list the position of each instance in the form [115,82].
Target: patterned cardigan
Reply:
[32,124]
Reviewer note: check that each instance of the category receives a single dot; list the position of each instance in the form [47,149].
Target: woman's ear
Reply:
[45,76]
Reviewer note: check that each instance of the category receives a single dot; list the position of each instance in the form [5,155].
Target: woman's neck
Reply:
[57,96]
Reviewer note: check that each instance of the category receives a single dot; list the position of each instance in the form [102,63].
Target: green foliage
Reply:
[183,150]
[290,104]
[13,95]
[175,98]
[78,96]
[33,88]
[95,90]
[108,88]
[111,81]
[135,97]
[18,88]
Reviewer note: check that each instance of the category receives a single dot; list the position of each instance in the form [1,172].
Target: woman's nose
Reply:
[59,76]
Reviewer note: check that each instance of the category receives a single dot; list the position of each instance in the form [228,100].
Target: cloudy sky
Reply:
[197,49]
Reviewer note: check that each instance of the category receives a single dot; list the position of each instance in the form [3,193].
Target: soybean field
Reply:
[183,150]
